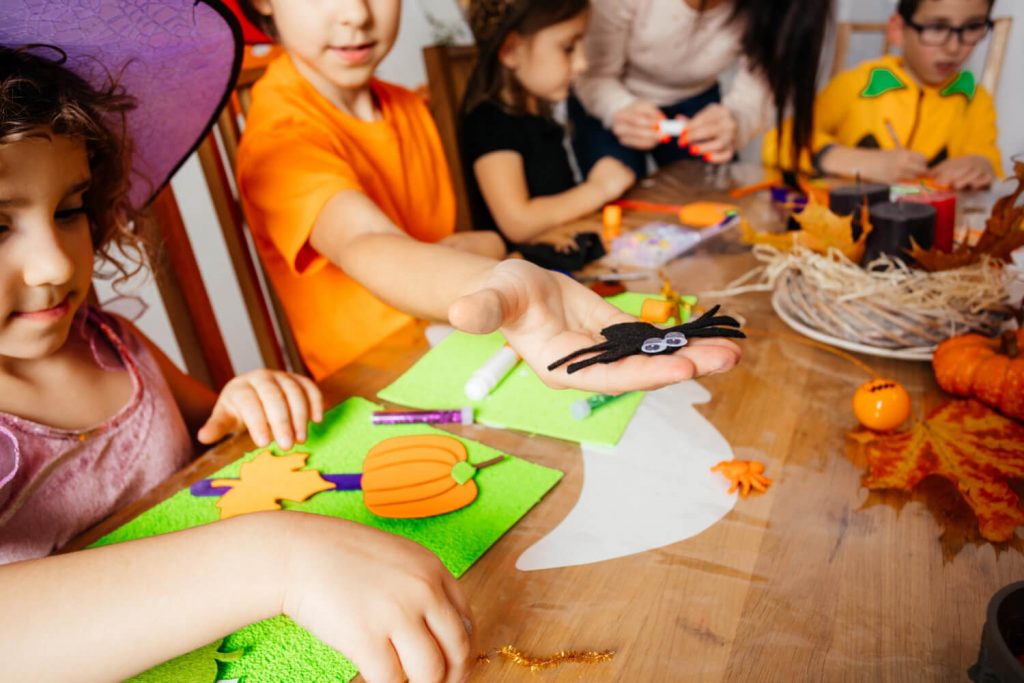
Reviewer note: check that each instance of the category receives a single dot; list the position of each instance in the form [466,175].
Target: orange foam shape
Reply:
[705,214]
[408,477]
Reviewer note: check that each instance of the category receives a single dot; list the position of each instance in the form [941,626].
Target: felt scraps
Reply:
[404,477]
[965,442]
[744,475]
[629,339]
[535,664]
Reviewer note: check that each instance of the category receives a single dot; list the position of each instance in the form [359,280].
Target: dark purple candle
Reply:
[893,226]
[849,199]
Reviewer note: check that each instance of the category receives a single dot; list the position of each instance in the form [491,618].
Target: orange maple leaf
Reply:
[267,479]
[820,230]
[969,444]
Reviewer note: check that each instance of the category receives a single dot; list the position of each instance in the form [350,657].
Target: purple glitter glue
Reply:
[463,416]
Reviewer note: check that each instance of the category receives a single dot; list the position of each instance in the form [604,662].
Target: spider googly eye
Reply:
[675,340]
[654,345]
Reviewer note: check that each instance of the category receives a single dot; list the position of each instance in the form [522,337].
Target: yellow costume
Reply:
[945,122]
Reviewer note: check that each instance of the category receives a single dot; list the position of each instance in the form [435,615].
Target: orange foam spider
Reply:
[744,475]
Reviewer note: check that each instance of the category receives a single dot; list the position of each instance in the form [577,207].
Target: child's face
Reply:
[546,62]
[46,253]
[931,63]
[338,43]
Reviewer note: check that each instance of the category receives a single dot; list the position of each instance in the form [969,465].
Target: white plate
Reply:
[915,353]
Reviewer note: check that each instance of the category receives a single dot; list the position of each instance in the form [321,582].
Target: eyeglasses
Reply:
[937,35]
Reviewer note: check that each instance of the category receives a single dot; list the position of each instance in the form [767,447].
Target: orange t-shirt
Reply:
[298,151]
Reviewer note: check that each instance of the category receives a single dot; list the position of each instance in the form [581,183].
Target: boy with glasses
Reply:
[901,118]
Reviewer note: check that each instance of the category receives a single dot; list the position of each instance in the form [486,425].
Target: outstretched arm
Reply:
[543,314]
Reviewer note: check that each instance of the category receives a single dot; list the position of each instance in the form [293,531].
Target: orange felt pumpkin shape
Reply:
[407,477]
[990,370]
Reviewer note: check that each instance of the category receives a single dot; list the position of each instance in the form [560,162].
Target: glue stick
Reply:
[483,381]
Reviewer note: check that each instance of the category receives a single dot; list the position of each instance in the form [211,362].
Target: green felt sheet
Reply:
[521,401]
[279,651]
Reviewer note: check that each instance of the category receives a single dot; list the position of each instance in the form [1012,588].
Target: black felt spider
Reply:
[628,339]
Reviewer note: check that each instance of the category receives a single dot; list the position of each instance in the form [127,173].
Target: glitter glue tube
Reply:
[483,381]
[463,416]
[582,408]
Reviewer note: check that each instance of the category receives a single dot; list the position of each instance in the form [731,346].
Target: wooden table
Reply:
[817,580]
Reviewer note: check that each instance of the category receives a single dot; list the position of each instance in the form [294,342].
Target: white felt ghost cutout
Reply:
[654,488]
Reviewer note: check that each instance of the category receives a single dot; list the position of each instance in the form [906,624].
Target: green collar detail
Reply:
[880,81]
[963,85]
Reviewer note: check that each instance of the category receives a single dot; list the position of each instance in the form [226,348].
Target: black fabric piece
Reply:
[537,139]
[588,248]
[869,141]
[939,158]
[628,339]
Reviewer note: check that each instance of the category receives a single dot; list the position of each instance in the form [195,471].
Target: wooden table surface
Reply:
[817,580]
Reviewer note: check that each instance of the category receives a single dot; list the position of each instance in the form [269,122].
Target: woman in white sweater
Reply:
[655,59]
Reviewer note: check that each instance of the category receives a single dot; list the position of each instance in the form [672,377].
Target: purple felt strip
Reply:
[342,482]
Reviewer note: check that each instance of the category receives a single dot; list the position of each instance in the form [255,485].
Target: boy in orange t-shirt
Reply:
[300,150]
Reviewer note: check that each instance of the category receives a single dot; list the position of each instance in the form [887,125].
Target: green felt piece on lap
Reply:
[521,401]
[198,666]
[279,651]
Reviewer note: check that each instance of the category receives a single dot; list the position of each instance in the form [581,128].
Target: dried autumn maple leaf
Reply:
[1004,233]
[267,479]
[969,444]
[820,230]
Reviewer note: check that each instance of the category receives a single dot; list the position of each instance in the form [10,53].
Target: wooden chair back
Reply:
[998,42]
[448,70]
[270,324]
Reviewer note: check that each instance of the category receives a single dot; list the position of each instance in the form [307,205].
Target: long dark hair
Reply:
[38,92]
[492,21]
[783,40]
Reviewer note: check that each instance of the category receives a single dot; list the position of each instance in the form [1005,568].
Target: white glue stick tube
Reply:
[483,381]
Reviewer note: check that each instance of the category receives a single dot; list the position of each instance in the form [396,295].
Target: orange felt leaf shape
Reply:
[969,444]
[267,479]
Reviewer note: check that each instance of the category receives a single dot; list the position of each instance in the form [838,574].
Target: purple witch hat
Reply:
[178,58]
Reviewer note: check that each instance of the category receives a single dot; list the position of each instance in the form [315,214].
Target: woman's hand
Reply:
[546,315]
[711,134]
[268,403]
[383,601]
[636,125]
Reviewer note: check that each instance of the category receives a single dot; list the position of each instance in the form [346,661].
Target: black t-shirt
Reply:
[537,139]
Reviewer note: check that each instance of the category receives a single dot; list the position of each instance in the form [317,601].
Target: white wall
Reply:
[405,66]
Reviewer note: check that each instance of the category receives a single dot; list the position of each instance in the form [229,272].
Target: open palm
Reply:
[546,315]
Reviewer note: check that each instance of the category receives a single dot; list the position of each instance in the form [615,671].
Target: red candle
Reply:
[945,215]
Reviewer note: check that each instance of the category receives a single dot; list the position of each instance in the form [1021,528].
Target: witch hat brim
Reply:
[178,58]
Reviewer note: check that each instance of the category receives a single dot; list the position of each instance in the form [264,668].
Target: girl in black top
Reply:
[517,169]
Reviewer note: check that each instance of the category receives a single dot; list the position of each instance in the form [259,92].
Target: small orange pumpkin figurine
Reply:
[881,405]
[408,477]
[990,370]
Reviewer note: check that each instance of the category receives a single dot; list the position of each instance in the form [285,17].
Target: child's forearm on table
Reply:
[111,612]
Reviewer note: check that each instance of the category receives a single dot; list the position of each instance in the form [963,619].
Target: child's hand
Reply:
[880,166]
[611,177]
[563,242]
[970,172]
[636,125]
[267,403]
[545,315]
[381,600]
[711,134]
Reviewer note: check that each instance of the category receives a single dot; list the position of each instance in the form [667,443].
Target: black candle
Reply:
[893,225]
[849,199]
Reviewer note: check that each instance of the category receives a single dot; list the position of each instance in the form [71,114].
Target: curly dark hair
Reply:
[39,93]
